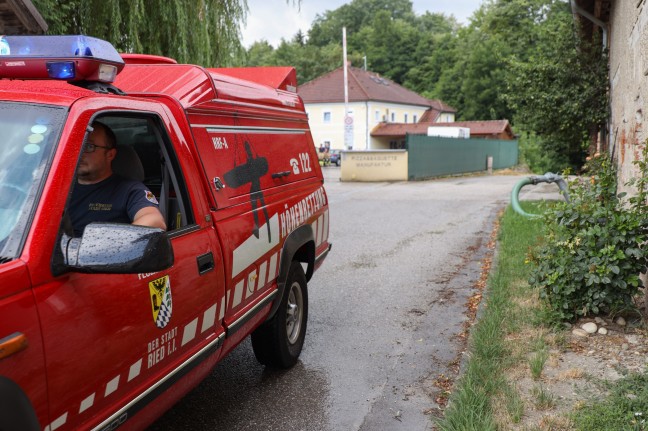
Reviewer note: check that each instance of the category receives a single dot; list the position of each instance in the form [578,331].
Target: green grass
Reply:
[537,362]
[625,408]
[482,380]
[543,399]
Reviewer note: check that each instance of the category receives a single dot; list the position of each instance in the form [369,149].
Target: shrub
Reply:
[592,253]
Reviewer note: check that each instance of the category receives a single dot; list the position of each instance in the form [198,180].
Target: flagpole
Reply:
[348,140]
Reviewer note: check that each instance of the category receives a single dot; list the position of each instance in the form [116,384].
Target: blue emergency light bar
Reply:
[69,58]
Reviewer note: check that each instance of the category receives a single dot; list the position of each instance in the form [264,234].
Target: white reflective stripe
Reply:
[253,248]
[320,230]
[112,386]
[251,129]
[57,423]
[272,271]
[215,342]
[189,331]
[189,334]
[209,317]
[251,283]
[222,309]
[326,225]
[263,274]
[134,370]
[238,293]
[316,226]
[87,403]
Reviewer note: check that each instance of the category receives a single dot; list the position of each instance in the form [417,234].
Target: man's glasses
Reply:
[90,148]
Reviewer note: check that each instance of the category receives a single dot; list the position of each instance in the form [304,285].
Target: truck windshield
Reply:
[27,136]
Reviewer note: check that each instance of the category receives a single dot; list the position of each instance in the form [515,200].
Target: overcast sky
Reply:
[273,20]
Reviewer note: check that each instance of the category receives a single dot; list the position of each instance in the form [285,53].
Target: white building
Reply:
[373,101]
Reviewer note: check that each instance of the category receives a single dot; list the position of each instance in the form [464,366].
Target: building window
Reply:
[393,117]
[377,116]
[414,119]
[327,117]
[405,118]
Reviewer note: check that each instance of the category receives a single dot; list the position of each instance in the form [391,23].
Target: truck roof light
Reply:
[70,58]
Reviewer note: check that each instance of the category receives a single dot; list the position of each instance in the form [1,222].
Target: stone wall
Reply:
[628,43]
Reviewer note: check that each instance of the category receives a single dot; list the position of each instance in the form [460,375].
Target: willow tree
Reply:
[205,32]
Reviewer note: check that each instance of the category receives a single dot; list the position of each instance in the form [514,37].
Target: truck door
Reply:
[111,338]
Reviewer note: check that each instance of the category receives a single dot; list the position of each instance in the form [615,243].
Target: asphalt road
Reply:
[386,309]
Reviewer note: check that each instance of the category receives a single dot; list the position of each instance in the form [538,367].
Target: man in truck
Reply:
[100,195]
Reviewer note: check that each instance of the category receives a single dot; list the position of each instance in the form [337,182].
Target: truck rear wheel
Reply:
[279,341]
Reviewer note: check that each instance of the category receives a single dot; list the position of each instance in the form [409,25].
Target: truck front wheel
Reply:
[279,341]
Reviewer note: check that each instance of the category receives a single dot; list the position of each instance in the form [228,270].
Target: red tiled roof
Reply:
[363,86]
[477,128]
[430,116]
[400,129]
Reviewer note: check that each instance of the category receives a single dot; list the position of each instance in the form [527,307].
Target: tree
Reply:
[327,28]
[260,53]
[438,55]
[560,93]
[203,32]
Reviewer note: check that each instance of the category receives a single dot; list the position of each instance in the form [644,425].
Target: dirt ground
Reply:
[575,367]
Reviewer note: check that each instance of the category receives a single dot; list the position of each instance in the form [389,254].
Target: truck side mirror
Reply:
[115,248]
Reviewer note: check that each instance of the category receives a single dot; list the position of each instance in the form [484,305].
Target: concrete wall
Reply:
[628,83]
[378,165]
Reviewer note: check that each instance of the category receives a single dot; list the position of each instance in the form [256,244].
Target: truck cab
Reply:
[113,326]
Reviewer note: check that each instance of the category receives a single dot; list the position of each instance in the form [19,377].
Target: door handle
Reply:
[205,263]
[13,343]
[218,184]
[280,174]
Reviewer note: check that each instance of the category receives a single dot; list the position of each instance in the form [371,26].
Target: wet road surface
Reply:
[385,318]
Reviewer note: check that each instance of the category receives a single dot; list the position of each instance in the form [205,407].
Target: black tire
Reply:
[279,341]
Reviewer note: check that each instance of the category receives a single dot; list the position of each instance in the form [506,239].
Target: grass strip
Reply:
[482,379]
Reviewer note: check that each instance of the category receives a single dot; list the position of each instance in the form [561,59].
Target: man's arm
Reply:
[149,216]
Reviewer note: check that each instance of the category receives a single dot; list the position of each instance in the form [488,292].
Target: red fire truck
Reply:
[114,326]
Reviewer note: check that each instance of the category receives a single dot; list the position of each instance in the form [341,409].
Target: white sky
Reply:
[273,20]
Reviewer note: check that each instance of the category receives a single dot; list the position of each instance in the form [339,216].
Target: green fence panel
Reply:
[430,156]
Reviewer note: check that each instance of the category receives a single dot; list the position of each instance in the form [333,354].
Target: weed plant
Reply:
[537,362]
[592,254]
[543,399]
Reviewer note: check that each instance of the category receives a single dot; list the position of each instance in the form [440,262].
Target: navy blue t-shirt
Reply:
[115,199]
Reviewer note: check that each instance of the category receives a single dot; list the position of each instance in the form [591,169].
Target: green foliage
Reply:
[560,91]
[355,15]
[520,60]
[592,255]
[374,29]
[626,407]
[204,32]
[538,155]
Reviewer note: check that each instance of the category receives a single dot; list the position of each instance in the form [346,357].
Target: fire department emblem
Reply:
[161,300]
